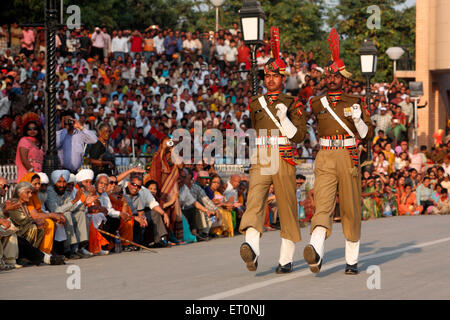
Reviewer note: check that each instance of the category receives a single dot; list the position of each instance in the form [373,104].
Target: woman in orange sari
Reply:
[408,203]
[43,220]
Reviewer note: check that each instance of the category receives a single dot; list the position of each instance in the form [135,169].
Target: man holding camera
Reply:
[71,141]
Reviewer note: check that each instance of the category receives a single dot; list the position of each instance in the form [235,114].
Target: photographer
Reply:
[71,141]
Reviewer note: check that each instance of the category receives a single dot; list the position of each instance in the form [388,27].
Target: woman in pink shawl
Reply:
[29,155]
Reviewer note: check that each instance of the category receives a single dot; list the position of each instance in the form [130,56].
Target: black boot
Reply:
[249,256]
[312,257]
[287,268]
[351,269]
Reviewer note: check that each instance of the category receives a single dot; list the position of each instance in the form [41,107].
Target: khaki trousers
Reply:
[284,184]
[334,170]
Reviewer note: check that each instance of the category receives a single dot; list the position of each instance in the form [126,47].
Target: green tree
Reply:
[397,29]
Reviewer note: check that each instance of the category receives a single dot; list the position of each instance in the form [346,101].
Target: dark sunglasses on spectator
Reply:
[32,128]
[136,185]
[113,182]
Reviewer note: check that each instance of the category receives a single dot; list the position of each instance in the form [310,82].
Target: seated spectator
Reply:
[381,165]
[73,207]
[442,204]
[21,216]
[200,220]
[369,194]
[43,219]
[424,194]
[407,203]
[101,154]
[224,223]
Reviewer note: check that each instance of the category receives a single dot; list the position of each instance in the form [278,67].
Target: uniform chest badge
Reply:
[348,112]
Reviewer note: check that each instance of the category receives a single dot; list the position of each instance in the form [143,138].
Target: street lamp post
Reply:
[394,54]
[51,162]
[252,25]
[368,58]
[217,4]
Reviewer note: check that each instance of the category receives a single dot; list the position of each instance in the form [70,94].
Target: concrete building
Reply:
[433,66]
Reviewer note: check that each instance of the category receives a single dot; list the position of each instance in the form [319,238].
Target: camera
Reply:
[70,122]
[170,143]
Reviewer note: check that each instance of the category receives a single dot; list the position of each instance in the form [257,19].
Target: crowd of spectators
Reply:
[124,92]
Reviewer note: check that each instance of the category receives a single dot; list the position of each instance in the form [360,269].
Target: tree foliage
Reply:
[397,29]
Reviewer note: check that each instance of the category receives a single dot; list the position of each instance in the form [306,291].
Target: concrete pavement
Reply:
[412,254]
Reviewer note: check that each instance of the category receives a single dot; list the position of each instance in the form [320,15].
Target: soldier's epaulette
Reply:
[316,98]
[253,99]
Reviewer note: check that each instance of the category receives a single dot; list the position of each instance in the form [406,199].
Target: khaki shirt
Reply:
[328,126]
[261,120]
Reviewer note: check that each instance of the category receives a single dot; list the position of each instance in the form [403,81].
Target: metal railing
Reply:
[9,172]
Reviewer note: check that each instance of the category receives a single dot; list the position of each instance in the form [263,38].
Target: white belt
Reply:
[338,143]
[262,141]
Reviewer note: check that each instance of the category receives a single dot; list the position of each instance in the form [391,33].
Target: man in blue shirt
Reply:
[71,141]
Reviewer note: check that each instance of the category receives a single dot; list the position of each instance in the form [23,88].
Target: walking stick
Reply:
[131,242]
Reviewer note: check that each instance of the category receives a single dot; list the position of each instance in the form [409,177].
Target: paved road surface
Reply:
[413,254]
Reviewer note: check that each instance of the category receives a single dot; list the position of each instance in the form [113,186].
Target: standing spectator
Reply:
[158,42]
[85,44]
[136,44]
[71,141]
[149,47]
[29,154]
[220,50]
[107,47]
[293,82]
[5,104]
[206,47]
[119,46]
[98,44]
[382,120]
[16,36]
[243,54]
[27,41]
[231,54]
[170,45]
[4,38]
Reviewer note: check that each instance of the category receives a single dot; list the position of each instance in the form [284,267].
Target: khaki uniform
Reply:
[283,179]
[335,169]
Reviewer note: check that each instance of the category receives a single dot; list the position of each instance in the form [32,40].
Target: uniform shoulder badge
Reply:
[298,106]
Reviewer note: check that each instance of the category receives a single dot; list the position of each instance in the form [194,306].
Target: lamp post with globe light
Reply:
[394,54]
[217,4]
[252,26]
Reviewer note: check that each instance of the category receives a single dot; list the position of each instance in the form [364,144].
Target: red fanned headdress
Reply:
[29,117]
[275,64]
[338,65]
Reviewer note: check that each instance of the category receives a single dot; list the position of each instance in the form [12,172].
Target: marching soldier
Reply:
[341,122]
[278,119]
